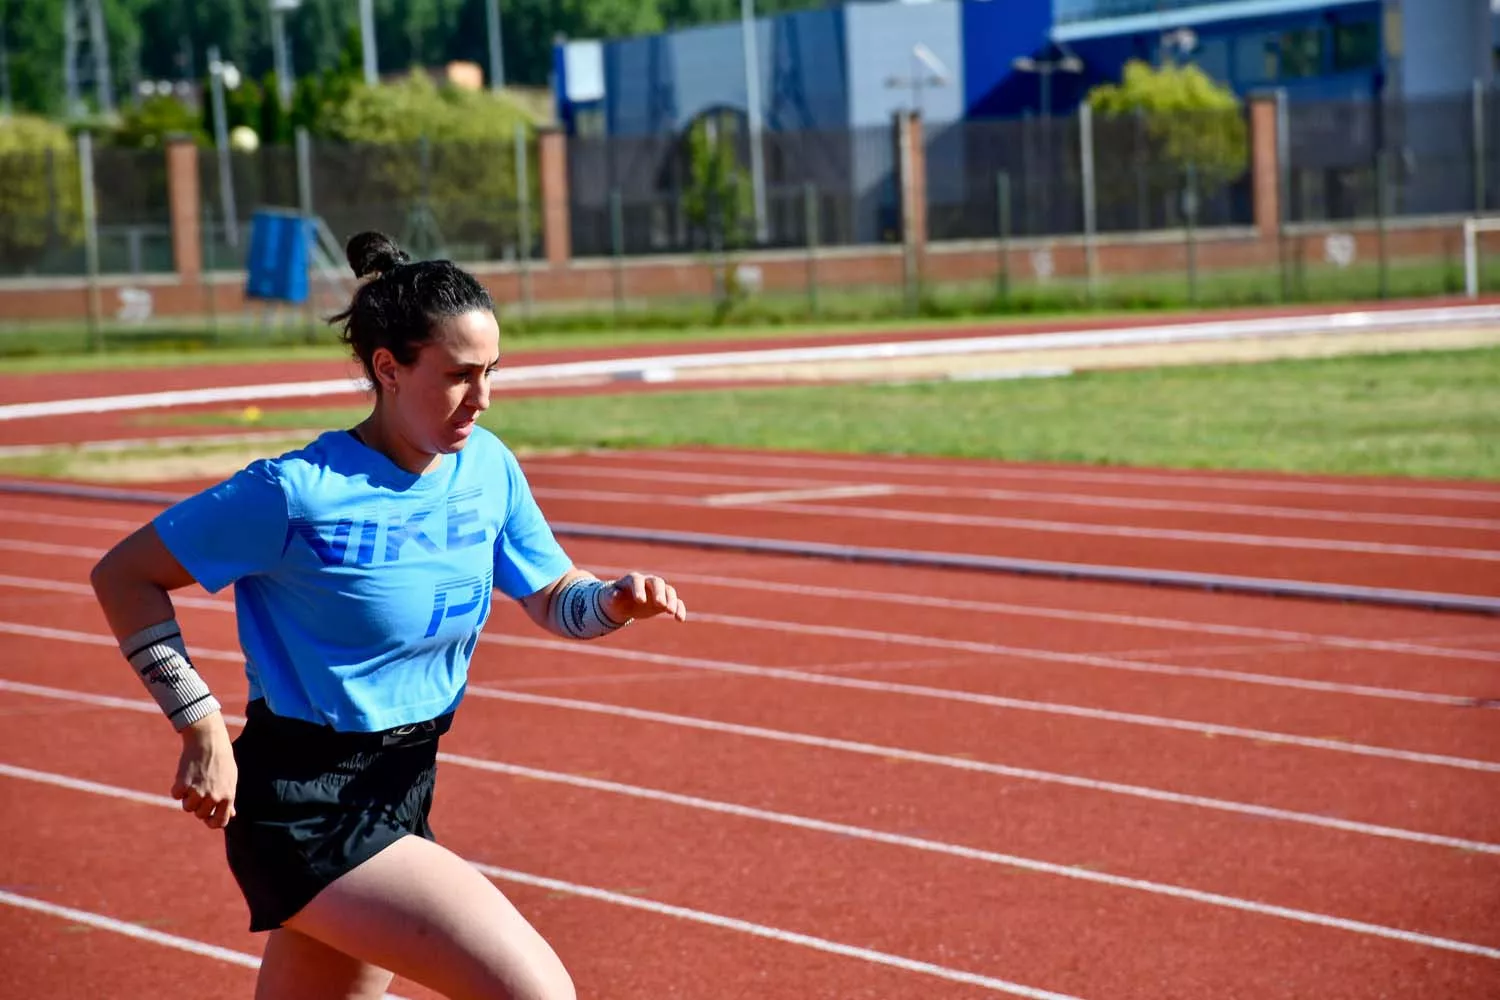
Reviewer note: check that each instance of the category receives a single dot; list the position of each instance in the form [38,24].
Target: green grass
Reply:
[238,339]
[1411,414]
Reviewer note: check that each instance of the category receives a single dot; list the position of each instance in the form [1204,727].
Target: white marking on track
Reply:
[1001,702]
[834,492]
[557,885]
[1249,482]
[539,468]
[884,687]
[992,607]
[1052,527]
[1071,615]
[1093,660]
[1086,660]
[849,831]
[876,750]
[122,927]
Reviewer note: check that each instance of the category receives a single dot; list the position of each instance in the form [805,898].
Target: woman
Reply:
[363,567]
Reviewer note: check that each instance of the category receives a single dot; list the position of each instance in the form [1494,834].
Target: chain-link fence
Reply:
[1365,198]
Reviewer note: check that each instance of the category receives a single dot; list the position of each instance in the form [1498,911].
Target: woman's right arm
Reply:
[132,583]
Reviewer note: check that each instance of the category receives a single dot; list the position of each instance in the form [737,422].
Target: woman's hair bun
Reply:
[373,253]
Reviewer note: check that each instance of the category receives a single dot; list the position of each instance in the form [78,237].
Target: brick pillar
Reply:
[1265,164]
[911,180]
[183,208]
[557,236]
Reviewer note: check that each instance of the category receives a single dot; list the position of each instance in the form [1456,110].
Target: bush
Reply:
[39,191]
[465,177]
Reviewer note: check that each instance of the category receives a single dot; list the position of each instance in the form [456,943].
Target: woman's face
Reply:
[433,403]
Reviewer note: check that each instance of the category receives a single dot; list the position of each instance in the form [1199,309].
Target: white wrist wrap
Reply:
[158,654]
[578,610]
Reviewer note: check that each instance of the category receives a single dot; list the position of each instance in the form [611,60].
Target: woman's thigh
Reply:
[426,914]
[295,967]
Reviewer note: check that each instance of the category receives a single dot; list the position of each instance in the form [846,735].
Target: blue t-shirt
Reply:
[361,588]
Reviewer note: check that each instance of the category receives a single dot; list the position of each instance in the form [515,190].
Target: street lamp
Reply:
[222,75]
[279,11]
[1063,62]
[927,70]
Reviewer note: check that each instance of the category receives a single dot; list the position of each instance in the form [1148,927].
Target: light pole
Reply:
[927,70]
[279,10]
[223,75]
[497,54]
[368,54]
[1062,62]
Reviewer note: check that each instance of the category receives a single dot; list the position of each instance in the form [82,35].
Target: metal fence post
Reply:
[810,208]
[617,248]
[1284,189]
[1190,205]
[305,208]
[1382,208]
[90,237]
[1090,209]
[1002,219]
[206,275]
[523,196]
[1481,194]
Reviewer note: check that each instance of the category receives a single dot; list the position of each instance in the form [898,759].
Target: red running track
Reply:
[967,771]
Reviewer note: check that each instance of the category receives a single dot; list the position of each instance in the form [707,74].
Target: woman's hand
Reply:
[637,595]
[206,772]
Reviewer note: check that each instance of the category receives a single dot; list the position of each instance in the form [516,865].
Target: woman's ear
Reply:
[383,364]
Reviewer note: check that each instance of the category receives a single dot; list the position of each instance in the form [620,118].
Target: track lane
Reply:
[1012,920]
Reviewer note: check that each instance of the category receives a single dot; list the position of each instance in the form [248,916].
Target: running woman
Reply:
[363,567]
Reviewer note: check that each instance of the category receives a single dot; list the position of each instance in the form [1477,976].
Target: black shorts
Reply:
[313,803]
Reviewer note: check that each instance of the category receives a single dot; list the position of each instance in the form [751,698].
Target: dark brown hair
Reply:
[397,307]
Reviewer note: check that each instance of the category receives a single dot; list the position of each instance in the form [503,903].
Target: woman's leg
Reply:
[295,967]
[426,914]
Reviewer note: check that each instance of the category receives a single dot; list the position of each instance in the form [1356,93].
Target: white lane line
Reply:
[998,701]
[539,468]
[122,927]
[844,830]
[861,749]
[1071,615]
[652,906]
[1051,527]
[182,397]
[982,767]
[68,520]
[1249,482]
[880,687]
[976,854]
[989,607]
[833,492]
[669,364]
[1092,660]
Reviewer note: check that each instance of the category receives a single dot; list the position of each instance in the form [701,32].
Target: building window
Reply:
[1356,46]
[1297,54]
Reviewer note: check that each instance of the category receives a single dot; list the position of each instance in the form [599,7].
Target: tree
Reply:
[39,191]
[1193,122]
[718,201]
[447,155]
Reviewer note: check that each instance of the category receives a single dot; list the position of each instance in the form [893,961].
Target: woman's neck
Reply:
[376,435]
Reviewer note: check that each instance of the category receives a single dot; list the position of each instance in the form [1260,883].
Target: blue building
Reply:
[851,65]
[847,69]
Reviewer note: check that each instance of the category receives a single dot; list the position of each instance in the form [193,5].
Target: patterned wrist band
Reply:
[160,658]
[579,610]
